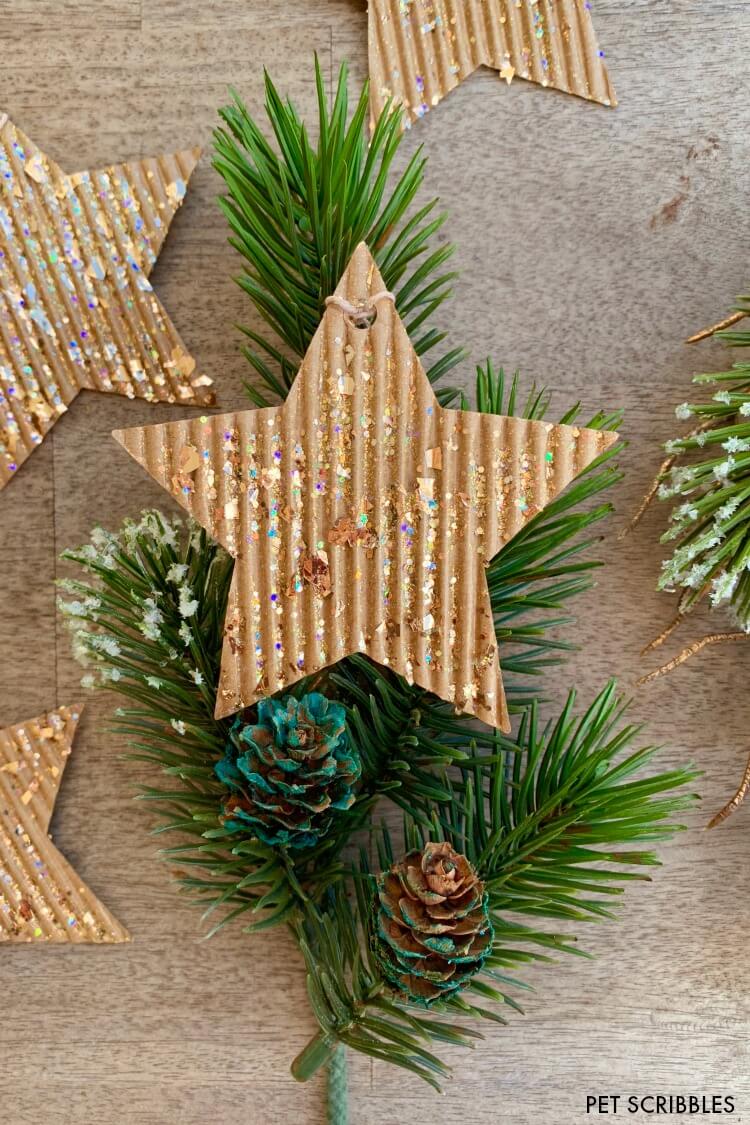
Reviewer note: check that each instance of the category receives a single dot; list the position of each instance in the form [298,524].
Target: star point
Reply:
[419,50]
[77,310]
[361,513]
[42,899]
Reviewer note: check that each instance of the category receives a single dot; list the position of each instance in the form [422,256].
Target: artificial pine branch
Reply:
[571,795]
[709,470]
[535,813]
[537,820]
[297,213]
[711,476]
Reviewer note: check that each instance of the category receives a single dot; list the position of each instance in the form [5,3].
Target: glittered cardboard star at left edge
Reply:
[42,898]
[77,310]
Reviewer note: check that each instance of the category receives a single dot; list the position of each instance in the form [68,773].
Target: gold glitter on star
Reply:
[507,71]
[419,50]
[362,515]
[77,310]
[42,899]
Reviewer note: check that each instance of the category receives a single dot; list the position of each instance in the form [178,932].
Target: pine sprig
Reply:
[351,1003]
[297,213]
[711,476]
[149,622]
[539,820]
[537,814]
[571,795]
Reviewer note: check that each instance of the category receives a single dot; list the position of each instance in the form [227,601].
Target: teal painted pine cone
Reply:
[289,772]
[431,928]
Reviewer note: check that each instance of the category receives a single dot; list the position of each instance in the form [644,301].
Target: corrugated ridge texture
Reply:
[76,307]
[41,896]
[421,49]
[361,514]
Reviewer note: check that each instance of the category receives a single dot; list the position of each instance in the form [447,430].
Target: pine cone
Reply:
[432,925]
[289,772]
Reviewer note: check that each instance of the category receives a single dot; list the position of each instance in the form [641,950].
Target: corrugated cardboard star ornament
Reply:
[361,514]
[41,897]
[76,307]
[421,49]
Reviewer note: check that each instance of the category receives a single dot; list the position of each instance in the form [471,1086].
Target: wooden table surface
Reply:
[591,242]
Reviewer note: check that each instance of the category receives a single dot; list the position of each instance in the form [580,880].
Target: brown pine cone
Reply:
[432,929]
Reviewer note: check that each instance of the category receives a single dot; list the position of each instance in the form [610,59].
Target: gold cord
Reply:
[665,466]
[693,650]
[665,634]
[732,806]
[705,333]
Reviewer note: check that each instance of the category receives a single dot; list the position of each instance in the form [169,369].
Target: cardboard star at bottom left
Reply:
[41,896]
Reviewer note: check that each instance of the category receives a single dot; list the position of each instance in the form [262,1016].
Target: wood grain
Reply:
[591,243]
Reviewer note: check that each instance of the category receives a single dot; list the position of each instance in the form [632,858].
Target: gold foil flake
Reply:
[348,533]
[77,310]
[378,555]
[507,71]
[41,897]
[316,572]
[189,459]
[419,50]
[34,167]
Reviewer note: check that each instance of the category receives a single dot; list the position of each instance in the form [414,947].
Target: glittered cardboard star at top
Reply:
[77,309]
[362,515]
[419,50]
[42,899]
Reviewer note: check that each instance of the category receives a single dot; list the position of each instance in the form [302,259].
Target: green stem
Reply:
[317,1053]
[338,1100]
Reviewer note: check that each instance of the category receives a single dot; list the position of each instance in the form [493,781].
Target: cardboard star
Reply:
[41,897]
[76,307]
[421,49]
[362,515]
